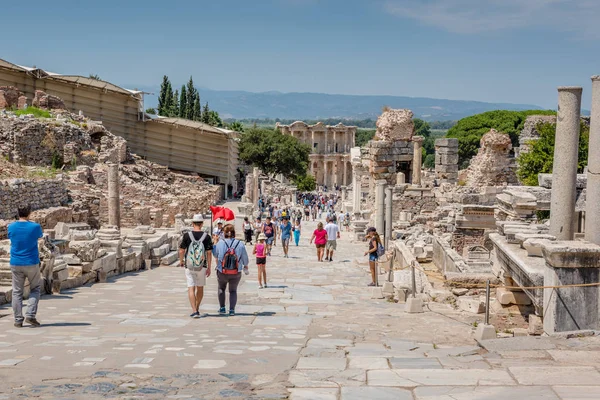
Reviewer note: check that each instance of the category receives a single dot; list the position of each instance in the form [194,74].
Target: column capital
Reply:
[418,139]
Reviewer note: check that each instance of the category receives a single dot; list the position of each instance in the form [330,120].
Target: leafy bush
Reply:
[57,160]
[540,158]
[37,112]
[306,183]
[469,130]
[429,161]
[363,136]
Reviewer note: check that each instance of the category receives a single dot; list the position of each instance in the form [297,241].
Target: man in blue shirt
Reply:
[25,263]
[286,234]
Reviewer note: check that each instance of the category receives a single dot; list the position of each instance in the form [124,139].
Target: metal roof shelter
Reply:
[174,142]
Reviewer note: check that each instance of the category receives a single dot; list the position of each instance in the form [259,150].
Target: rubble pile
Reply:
[63,159]
[492,166]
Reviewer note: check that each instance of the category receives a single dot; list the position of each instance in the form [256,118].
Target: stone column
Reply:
[380,205]
[356,190]
[345,177]
[325,173]
[304,137]
[256,183]
[114,207]
[388,215]
[344,193]
[564,171]
[417,160]
[334,142]
[592,208]
[312,143]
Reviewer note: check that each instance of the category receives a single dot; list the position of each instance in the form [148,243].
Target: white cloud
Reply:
[475,16]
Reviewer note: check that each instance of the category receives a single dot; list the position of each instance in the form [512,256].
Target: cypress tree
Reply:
[183,102]
[175,110]
[168,102]
[191,97]
[162,96]
[196,111]
[206,114]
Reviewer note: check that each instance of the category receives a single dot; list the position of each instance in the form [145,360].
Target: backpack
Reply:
[195,257]
[268,230]
[230,262]
[380,250]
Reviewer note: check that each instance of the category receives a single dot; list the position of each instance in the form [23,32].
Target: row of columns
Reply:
[344,140]
[334,174]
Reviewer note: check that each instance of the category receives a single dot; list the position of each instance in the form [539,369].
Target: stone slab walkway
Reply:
[315,333]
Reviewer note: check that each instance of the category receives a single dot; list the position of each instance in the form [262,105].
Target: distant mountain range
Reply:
[314,106]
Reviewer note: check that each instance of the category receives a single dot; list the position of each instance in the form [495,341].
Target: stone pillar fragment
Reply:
[380,205]
[591,223]
[417,160]
[571,308]
[446,160]
[114,208]
[564,170]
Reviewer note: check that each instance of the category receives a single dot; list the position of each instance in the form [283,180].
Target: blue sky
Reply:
[489,50]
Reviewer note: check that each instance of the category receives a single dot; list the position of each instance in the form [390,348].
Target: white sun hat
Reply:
[198,218]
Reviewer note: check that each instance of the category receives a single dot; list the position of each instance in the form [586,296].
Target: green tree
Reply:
[163,96]
[306,183]
[469,130]
[168,105]
[429,161]
[539,159]
[205,114]
[236,126]
[151,110]
[191,98]
[175,106]
[274,153]
[183,102]
[214,119]
[363,136]
[196,110]
[422,128]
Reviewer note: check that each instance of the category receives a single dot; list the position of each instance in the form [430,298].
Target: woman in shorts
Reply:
[260,249]
[374,243]
[320,238]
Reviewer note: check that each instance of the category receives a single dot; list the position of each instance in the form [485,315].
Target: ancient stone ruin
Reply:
[492,165]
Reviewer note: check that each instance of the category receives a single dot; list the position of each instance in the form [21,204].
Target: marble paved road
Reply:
[315,333]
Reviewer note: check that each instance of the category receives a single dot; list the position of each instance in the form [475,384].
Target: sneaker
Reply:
[194,314]
[197,315]
[222,311]
[371,284]
[18,324]
[231,313]
[33,322]
[266,286]
[261,287]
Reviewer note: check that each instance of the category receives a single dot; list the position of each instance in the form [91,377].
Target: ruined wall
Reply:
[464,238]
[15,193]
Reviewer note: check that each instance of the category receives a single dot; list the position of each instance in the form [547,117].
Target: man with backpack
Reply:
[232,259]
[269,229]
[195,255]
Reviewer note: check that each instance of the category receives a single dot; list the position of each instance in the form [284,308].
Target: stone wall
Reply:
[40,194]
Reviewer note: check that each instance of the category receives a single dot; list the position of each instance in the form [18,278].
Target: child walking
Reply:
[297,229]
[260,249]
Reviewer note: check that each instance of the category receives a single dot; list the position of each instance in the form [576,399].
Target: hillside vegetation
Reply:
[469,130]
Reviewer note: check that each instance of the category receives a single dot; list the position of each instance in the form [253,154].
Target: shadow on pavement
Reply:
[66,324]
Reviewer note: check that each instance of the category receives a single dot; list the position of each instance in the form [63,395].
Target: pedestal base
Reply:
[485,332]
[414,305]
[377,293]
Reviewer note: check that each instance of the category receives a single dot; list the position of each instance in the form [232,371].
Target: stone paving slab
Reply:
[486,393]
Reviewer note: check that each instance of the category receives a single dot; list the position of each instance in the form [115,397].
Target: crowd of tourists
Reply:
[200,250]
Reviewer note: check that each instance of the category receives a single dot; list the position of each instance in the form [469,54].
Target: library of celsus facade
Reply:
[330,157]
